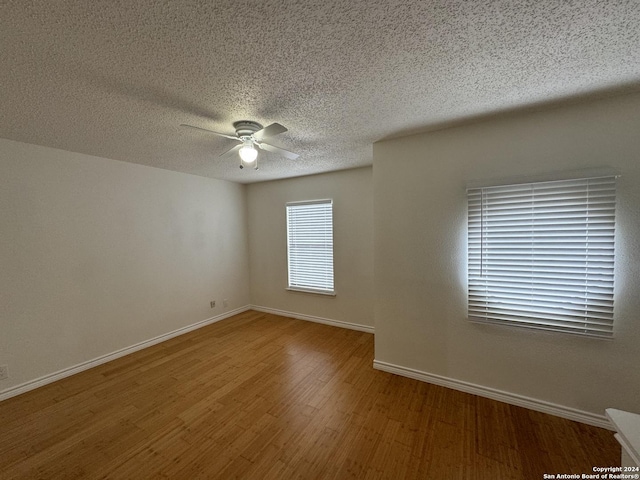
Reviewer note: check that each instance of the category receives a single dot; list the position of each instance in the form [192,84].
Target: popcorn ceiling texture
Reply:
[116,78]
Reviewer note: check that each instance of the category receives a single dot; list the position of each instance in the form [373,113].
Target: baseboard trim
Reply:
[311,318]
[499,395]
[67,372]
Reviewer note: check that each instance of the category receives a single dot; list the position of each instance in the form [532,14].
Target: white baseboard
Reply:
[67,372]
[499,395]
[311,318]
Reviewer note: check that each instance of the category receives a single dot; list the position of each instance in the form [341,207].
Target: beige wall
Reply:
[420,254]
[351,191]
[97,255]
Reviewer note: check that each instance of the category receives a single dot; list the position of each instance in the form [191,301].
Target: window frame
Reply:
[296,285]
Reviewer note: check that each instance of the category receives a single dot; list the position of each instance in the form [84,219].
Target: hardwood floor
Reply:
[259,396]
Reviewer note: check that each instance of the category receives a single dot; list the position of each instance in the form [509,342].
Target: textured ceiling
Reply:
[117,78]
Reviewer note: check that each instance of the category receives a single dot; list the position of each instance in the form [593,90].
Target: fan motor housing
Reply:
[246,128]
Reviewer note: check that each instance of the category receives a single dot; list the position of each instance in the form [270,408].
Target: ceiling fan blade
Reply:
[270,131]
[232,137]
[278,150]
[231,151]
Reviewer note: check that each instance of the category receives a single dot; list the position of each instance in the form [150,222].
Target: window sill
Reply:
[311,290]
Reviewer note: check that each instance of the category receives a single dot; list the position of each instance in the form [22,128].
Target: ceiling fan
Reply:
[251,135]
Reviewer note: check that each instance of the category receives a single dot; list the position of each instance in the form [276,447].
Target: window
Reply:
[541,255]
[310,246]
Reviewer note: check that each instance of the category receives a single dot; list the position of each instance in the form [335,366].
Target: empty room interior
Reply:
[338,239]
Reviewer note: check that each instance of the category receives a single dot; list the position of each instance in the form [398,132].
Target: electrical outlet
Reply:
[212,303]
[4,372]
[225,303]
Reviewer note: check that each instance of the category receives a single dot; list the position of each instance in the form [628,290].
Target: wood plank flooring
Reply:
[259,396]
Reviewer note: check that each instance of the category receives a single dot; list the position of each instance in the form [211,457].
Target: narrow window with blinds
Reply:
[541,255]
[310,246]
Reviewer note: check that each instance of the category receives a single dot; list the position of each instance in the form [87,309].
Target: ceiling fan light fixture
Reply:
[248,152]
[251,135]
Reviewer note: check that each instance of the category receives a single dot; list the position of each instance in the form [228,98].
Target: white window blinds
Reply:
[310,246]
[541,255]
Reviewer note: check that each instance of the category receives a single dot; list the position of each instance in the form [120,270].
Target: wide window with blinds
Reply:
[310,246]
[541,255]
